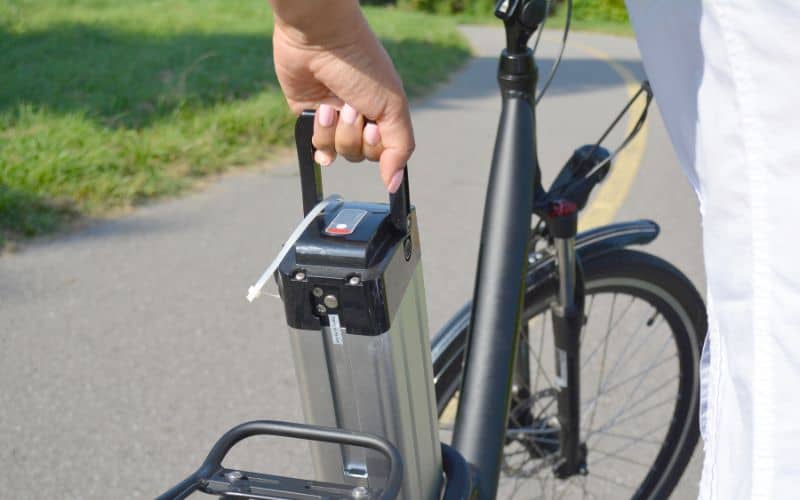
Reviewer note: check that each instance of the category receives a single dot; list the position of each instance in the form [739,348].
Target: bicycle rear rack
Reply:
[214,479]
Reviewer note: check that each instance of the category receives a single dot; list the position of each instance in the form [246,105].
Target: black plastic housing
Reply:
[366,271]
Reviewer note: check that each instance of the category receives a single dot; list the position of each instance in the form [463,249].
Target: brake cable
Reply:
[557,62]
[637,127]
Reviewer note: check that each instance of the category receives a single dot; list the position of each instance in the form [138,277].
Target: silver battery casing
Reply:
[380,383]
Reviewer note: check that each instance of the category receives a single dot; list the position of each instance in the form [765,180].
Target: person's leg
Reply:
[725,77]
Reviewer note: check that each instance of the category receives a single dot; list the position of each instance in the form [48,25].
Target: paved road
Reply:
[127,347]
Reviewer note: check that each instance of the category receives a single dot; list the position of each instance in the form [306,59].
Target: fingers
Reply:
[372,146]
[324,134]
[345,132]
[349,132]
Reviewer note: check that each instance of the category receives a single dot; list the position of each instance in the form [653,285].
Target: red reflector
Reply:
[560,208]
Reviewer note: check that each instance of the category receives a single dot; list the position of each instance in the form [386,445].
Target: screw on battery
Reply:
[407,248]
[354,280]
[360,492]
[321,309]
[300,275]
[317,291]
[331,301]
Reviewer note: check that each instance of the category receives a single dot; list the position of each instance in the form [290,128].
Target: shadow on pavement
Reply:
[574,75]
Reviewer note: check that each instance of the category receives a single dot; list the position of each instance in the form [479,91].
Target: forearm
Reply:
[317,21]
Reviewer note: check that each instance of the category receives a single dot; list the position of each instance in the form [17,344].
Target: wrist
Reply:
[323,23]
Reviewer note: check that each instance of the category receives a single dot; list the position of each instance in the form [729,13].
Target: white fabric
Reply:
[726,76]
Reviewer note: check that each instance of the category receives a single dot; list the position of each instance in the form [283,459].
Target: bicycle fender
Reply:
[447,346]
[601,240]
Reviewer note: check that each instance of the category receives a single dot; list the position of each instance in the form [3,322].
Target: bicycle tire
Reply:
[660,285]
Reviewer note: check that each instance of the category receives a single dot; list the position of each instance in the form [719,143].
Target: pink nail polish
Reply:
[322,158]
[325,115]
[371,134]
[348,114]
[394,184]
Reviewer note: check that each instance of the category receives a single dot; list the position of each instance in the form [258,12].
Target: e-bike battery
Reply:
[354,299]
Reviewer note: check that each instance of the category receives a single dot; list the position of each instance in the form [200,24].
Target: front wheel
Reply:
[640,352]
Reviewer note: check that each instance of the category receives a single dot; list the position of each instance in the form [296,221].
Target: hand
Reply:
[344,72]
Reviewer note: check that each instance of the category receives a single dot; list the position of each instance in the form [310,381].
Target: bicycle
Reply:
[520,418]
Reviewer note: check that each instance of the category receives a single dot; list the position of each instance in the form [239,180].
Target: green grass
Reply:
[104,104]
[587,16]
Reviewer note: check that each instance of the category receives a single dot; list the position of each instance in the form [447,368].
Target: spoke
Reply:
[603,361]
[523,451]
[586,316]
[649,432]
[617,451]
[530,432]
[616,456]
[583,487]
[650,393]
[611,327]
[627,405]
[517,484]
[614,367]
[639,439]
[624,354]
[612,481]
[538,354]
[567,487]
[636,376]
[615,423]
[546,407]
[538,449]
[635,351]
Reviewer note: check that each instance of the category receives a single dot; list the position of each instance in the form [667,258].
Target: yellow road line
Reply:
[617,185]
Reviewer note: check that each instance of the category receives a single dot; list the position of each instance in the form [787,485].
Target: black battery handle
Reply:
[311,176]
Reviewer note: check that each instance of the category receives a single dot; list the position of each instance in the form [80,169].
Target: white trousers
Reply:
[726,77]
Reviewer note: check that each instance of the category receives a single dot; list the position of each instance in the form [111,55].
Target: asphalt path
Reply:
[127,347]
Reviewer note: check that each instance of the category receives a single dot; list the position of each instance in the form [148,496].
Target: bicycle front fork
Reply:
[568,319]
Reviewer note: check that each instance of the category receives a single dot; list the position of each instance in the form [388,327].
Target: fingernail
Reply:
[326,115]
[348,114]
[394,184]
[371,134]
[322,158]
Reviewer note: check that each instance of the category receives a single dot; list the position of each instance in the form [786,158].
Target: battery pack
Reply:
[355,303]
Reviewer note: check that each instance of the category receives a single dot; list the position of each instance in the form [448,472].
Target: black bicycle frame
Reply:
[480,426]
[492,348]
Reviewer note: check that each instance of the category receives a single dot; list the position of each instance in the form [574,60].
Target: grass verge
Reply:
[582,20]
[588,22]
[104,104]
